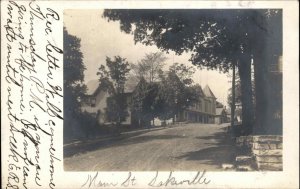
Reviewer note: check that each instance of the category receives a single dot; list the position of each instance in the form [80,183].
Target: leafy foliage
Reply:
[73,60]
[150,67]
[165,98]
[114,79]
[116,110]
[215,37]
[196,31]
[74,89]
[144,106]
[139,99]
[183,72]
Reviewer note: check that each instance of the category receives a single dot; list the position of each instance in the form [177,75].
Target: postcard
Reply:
[149,94]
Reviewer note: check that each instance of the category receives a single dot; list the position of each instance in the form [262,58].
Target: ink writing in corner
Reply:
[33,88]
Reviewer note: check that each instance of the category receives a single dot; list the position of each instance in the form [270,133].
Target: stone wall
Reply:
[265,150]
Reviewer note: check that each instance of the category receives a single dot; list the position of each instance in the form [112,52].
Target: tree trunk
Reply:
[233,96]
[261,92]
[261,57]
[244,67]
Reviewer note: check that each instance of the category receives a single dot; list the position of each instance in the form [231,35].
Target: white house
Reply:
[95,103]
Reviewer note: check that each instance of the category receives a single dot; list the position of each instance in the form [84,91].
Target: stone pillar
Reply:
[266,150]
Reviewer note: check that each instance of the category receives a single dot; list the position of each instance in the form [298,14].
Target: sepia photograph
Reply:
[172,89]
[149,94]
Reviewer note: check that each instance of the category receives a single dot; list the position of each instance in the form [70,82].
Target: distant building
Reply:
[221,114]
[204,111]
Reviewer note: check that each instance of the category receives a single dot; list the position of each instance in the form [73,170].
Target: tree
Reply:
[150,67]
[74,89]
[183,72]
[180,31]
[217,39]
[268,45]
[113,80]
[173,92]
[176,92]
[73,72]
[141,105]
[166,98]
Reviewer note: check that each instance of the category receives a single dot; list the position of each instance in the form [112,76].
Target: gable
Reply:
[208,93]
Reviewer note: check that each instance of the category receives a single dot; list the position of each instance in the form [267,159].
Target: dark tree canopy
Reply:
[73,59]
[74,68]
[75,122]
[144,105]
[113,79]
[183,72]
[214,37]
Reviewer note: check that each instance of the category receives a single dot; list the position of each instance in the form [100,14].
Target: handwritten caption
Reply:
[156,181]
[32,82]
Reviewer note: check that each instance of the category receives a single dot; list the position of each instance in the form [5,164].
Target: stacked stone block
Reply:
[265,150]
[268,152]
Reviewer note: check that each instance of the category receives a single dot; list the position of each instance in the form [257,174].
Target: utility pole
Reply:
[233,96]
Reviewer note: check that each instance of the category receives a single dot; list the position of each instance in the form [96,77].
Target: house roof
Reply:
[208,93]
[92,86]
[199,90]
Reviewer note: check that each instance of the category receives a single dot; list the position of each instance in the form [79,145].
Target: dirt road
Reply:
[188,147]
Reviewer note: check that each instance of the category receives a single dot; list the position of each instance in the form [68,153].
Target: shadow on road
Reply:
[221,150]
[121,140]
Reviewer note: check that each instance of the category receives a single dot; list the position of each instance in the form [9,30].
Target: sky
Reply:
[100,38]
